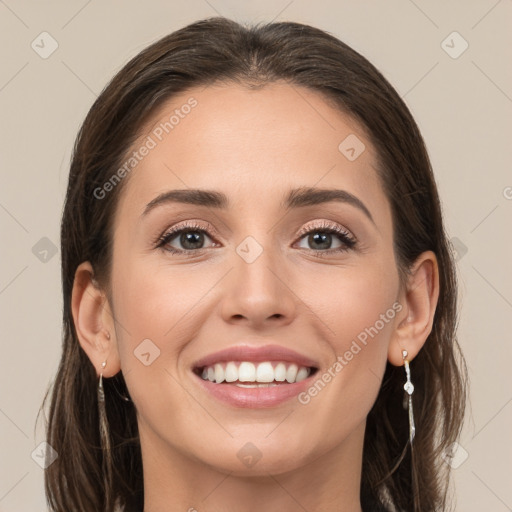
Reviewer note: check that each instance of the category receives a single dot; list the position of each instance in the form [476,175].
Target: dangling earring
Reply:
[103,424]
[104,437]
[101,395]
[409,389]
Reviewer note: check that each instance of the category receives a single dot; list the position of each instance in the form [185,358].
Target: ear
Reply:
[419,301]
[94,323]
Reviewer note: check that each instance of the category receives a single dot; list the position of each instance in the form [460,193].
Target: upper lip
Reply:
[256,354]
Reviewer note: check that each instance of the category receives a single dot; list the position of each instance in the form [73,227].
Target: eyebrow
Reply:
[296,198]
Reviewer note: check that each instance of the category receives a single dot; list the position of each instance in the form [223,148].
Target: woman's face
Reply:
[253,272]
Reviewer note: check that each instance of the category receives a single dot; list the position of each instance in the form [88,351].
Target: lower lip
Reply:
[254,397]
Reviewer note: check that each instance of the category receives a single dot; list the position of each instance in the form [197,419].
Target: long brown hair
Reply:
[394,477]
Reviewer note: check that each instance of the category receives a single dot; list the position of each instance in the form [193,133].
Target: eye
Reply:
[190,236]
[320,238]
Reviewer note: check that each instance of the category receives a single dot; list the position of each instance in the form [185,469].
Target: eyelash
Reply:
[324,227]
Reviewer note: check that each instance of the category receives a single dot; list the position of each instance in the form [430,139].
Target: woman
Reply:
[259,295]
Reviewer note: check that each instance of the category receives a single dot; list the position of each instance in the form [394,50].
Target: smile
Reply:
[244,384]
[263,374]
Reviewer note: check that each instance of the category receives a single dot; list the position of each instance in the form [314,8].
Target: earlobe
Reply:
[93,321]
[419,300]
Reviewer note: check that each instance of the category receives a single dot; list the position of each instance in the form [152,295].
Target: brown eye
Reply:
[321,239]
[189,238]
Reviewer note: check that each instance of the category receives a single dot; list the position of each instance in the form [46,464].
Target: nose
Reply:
[259,293]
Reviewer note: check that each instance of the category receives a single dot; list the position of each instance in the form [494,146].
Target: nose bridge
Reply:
[257,291]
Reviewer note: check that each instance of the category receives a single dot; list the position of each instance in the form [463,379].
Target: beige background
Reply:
[463,106]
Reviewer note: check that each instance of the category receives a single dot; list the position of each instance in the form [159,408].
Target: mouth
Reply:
[255,374]
[254,384]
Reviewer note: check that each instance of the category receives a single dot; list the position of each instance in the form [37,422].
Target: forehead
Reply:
[253,144]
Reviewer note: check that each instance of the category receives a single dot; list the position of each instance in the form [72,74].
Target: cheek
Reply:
[355,303]
[152,299]
[364,312]
[145,307]
[357,319]
[153,309]
[358,309]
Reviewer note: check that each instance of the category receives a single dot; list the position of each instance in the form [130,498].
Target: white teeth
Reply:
[291,373]
[280,372]
[219,373]
[246,372]
[302,374]
[264,373]
[231,372]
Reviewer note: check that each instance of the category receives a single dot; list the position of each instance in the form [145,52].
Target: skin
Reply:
[254,146]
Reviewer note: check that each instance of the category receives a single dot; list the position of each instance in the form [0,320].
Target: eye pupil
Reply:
[324,239]
[191,237]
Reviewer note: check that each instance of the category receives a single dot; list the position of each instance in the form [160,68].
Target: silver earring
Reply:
[104,435]
[101,392]
[409,389]
[104,432]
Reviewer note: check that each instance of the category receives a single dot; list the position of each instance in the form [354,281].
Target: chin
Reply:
[257,456]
